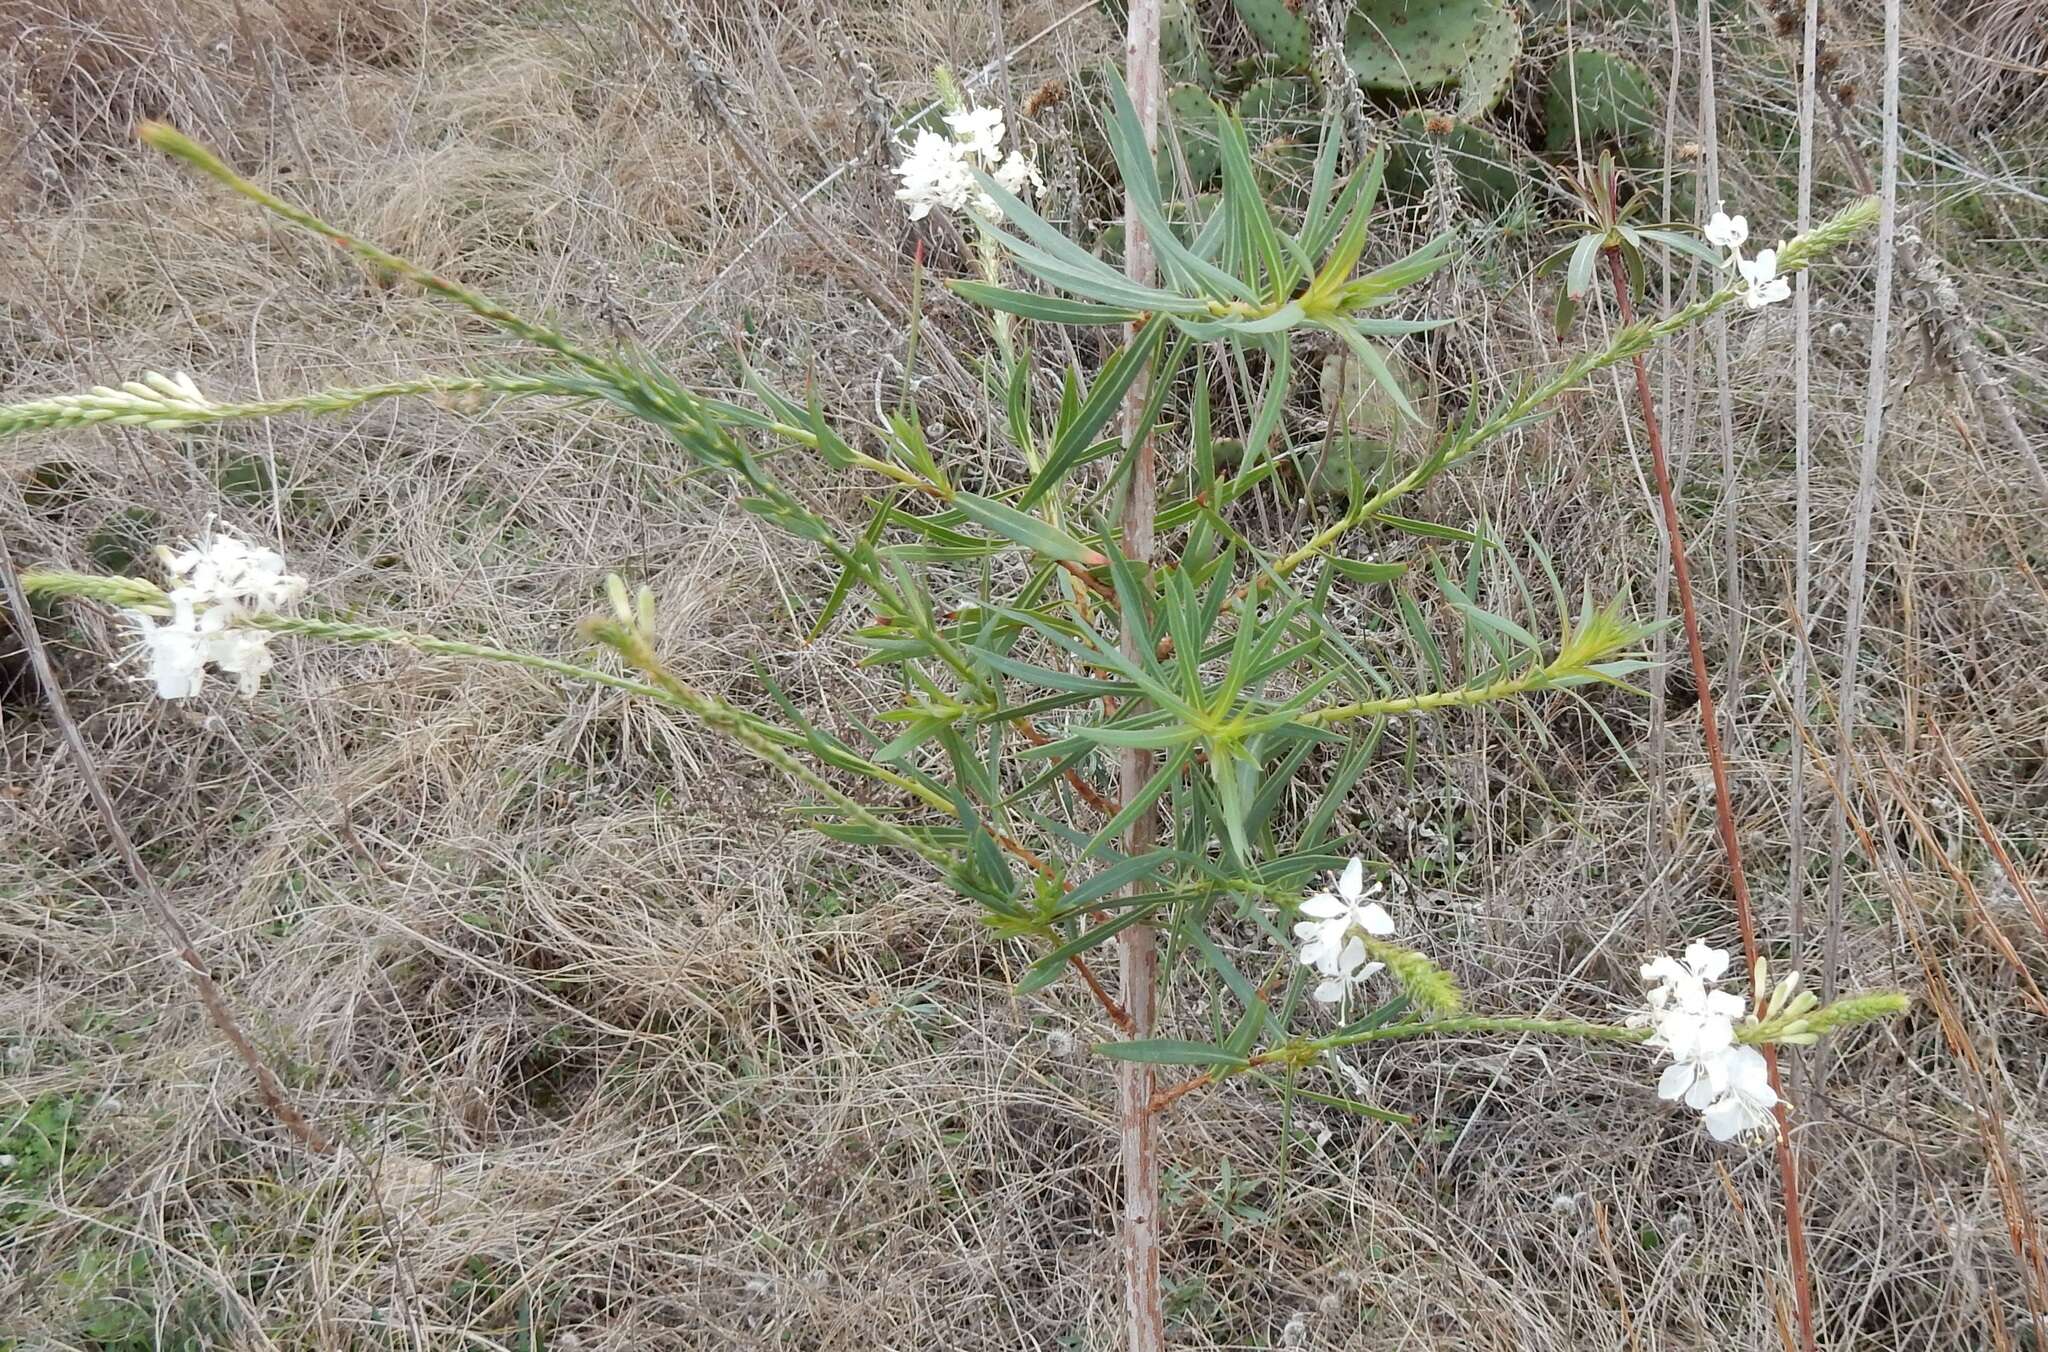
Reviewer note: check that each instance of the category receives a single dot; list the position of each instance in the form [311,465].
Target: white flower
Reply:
[1727,1083]
[979,131]
[1019,176]
[938,170]
[1330,937]
[222,579]
[1746,1097]
[934,174]
[1765,285]
[244,654]
[174,650]
[1692,1022]
[1727,232]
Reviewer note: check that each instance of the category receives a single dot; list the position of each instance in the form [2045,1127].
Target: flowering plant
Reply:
[1209,669]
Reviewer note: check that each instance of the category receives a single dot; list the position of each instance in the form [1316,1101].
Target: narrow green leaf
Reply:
[1358,570]
[1153,789]
[1022,528]
[1169,1051]
[1045,309]
[1117,877]
[1048,968]
[1376,366]
[1428,529]
[1106,395]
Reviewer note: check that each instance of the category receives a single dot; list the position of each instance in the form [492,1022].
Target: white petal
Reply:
[1373,919]
[1332,991]
[1354,955]
[1352,885]
[1707,962]
[1713,1037]
[1675,1080]
[1724,1120]
[1324,907]
[1750,1075]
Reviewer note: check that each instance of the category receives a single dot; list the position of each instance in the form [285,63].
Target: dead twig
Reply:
[154,901]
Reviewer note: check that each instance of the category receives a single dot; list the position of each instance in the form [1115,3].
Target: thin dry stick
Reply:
[153,899]
[1724,398]
[1866,501]
[1724,810]
[1802,510]
[1137,947]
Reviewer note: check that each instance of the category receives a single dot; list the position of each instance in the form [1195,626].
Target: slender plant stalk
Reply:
[1724,395]
[166,917]
[1137,946]
[1802,511]
[1724,810]
[1866,501]
[1848,1013]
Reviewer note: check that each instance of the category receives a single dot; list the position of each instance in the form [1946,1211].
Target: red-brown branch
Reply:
[1724,810]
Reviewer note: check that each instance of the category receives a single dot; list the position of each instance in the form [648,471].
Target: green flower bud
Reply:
[1854,1009]
[1427,984]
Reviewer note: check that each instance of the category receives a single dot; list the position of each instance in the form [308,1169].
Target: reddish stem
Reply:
[1724,811]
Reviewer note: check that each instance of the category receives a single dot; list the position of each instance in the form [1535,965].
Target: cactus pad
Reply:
[1403,45]
[1613,99]
[1277,106]
[1490,66]
[1278,28]
[1194,127]
[1482,163]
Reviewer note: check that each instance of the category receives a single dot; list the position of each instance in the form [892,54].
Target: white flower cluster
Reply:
[218,581]
[1761,272]
[1728,1083]
[1332,938]
[938,171]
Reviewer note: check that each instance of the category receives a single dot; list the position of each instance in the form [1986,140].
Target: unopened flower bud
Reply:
[615,591]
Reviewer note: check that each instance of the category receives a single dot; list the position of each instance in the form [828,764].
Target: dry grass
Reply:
[623,1058]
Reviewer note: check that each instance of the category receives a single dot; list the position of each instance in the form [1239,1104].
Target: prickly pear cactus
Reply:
[1490,66]
[1483,164]
[1194,125]
[1277,105]
[1275,24]
[1597,98]
[1402,45]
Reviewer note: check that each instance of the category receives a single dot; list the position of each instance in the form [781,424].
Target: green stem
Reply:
[1430,701]
[135,594]
[173,142]
[633,646]
[1479,1023]
[119,409]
